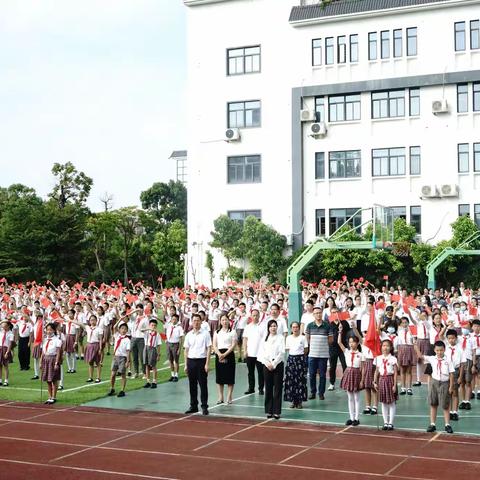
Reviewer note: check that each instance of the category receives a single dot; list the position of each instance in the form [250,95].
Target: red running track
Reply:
[86,443]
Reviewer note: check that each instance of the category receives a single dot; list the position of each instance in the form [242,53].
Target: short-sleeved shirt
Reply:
[121,345]
[197,343]
[385,365]
[441,367]
[296,345]
[318,339]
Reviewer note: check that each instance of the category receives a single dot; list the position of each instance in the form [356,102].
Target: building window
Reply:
[345,164]
[353,48]
[241,215]
[319,166]
[475,34]
[464,210]
[320,229]
[416,218]
[316,52]
[415,161]
[388,162]
[476,157]
[320,109]
[244,114]
[329,51]
[476,214]
[414,106]
[372,46]
[463,161]
[244,169]
[389,104]
[397,43]
[476,97]
[412,41]
[399,212]
[342,49]
[460,36]
[243,60]
[385,44]
[338,216]
[462,97]
[344,107]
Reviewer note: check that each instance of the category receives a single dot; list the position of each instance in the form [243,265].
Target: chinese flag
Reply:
[372,339]
[395,298]
[45,302]
[413,330]
[380,306]
[182,296]
[39,333]
[473,311]
[343,315]
[54,315]
[163,336]
[333,317]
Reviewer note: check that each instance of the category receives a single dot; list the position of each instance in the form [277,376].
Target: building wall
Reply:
[286,65]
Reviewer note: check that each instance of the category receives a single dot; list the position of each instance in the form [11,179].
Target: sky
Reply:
[99,83]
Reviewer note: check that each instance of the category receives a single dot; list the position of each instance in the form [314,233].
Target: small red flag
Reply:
[372,338]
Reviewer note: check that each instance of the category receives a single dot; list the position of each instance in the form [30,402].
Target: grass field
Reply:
[76,390]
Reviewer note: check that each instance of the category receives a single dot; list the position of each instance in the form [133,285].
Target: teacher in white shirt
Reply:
[197,353]
[272,358]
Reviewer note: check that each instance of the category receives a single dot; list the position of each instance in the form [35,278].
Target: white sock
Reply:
[61,375]
[385,412]
[351,405]
[74,361]
[393,411]
[36,362]
[419,372]
[356,398]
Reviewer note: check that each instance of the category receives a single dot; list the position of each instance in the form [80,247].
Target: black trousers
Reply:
[197,376]
[24,352]
[273,389]
[252,363]
[335,355]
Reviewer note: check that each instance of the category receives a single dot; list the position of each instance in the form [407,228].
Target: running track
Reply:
[78,442]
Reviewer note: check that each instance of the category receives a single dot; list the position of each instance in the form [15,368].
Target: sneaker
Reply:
[74,371]
[129,374]
[432,428]
[390,427]
[367,411]
[454,416]
[276,417]
[154,385]
[385,426]
[175,379]
[468,406]
[5,383]
[89,380]
[417,384]
[374,411]
[472,396]
[478,395]
[111,393]
[451,415]
[121,394]
[356,423]
[349,422]
[409,391]
[49,402]
[35,377]
[171,379]
[331,388]
[403,391]
[60,387]
[269,415]
[97,380]
[448,429]
[147,385]
[191,410]
[461,406]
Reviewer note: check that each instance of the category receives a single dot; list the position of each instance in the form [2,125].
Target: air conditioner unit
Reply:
[318,130]
[429,191]
[307,115]
[439,106]
[232,135]
[449,190]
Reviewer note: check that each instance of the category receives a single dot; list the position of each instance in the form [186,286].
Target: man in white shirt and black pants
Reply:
[197,354]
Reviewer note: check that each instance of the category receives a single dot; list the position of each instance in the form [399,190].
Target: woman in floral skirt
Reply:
[296,372]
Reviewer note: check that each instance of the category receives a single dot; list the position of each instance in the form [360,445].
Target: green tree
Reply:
[168,252]
[209,266]
[72,186]
[167,201]
[227,238]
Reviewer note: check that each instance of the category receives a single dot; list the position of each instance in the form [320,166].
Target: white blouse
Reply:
[273,350]
[296,345]
[225,340]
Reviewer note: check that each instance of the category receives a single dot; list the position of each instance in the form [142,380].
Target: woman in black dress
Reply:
[224,341]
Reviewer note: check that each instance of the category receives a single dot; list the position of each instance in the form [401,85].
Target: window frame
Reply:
[327,50]
[320,171]
[459,170]
[348,212]
[346,103]
[460,205]
[459,32]
[390,157]
[319,50]
[245,110]
[373,43]
[413,215]
[356,164]
[320,227]
[414,39]
[396,54]
[412,156]
[259,46]
[476,96]
[476,214]
[342,49]
[246,214]
[244,168]
[384,44]
[357,48]
[463,94]
[477,30]
[476,157]
[410,101]
[388,100]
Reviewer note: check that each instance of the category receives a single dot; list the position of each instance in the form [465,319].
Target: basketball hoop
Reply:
[401,249]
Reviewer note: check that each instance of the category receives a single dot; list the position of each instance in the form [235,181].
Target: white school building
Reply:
[301,113]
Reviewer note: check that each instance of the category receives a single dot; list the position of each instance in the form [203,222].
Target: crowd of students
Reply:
[380,337]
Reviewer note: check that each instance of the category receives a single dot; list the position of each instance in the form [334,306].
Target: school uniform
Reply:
[174,333]
[438,394]
[213,318]
[368,367]
[353,375]
[121,352]
[94,340]
[153,340]
[386,367]
[463,343]
[475,348]
[423,337]
[457,357]
[37,338]
[50,347]
[406,352]
[24,331]
[70,337]
[6,340]
[197,343]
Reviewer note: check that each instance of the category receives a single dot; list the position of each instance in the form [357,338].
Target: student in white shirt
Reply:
[272,355]
[152,353]
[224,342]
[121,358]
[51,362]
[441,385]
[457,356]
[174,333]
[197,356]
[93,349]
[296,370]
[6,346]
